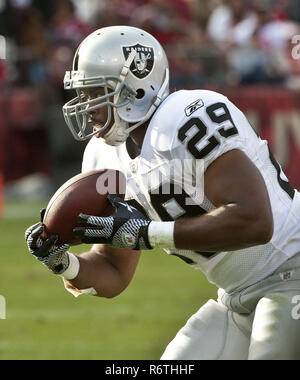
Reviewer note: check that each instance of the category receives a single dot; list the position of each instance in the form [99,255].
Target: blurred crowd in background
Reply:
[209,43]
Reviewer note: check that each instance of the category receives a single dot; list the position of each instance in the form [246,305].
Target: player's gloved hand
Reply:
[126,228]
[55,257]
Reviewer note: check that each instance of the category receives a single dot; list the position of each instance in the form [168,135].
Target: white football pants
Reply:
[261,322]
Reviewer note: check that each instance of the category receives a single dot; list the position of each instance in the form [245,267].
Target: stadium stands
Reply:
[227,45]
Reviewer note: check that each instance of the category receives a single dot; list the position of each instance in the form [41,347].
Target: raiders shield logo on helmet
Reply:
[143,61]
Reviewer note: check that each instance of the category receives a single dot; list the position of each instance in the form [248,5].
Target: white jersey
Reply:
[187,133]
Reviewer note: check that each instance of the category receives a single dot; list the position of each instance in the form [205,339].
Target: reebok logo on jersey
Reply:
[193,107]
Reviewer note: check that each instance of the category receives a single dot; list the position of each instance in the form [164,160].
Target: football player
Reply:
[200,184]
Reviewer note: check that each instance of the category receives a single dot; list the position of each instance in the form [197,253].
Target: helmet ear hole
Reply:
[140,93]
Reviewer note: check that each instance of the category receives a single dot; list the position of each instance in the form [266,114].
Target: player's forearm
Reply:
[98,273]
[228,227]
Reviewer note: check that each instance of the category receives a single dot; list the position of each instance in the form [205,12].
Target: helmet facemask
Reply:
[117,93]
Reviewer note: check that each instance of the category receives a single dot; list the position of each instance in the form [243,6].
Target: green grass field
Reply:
[46,322]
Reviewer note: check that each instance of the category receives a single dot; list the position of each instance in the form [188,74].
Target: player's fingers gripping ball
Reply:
[33,236]
[55,257]
[126,228]
[85,193]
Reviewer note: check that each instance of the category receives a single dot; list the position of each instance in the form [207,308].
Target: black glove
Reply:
[126,228]
[54,257]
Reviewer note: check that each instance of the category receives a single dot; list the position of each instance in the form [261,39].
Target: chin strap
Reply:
[117,134]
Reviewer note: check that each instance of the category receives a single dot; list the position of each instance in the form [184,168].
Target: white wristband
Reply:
[73,268]
[161,235]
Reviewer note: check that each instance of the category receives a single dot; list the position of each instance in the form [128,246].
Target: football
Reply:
[85,193]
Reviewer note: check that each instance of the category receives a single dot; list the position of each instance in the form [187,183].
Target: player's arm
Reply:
[106,269]
[242,218]
[243,215]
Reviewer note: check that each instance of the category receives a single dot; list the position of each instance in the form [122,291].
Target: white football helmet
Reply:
[133,69]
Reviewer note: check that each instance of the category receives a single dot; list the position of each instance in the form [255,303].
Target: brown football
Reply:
[85,193]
